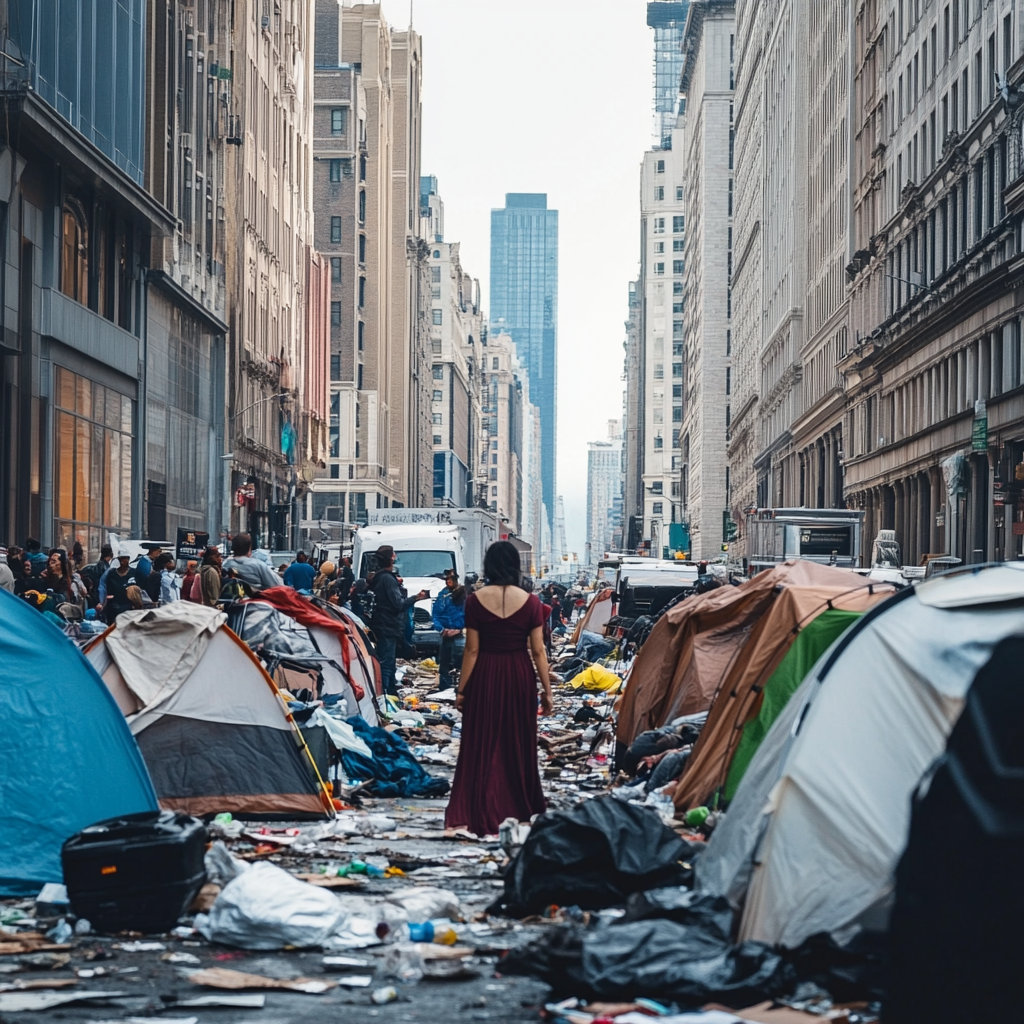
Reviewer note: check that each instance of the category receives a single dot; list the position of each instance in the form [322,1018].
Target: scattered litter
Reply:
[139,947]
[384,995]
[344,961]
[147,1020]
[27,942]
[247,1001]
[60,932]
[28,1002]
[180,958]
[28,984]
[424,904]
[355,980]
[221,977]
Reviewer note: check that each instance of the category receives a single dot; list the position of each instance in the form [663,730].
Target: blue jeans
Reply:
[386,656]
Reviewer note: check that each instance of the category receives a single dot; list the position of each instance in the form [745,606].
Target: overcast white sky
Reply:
[547,96]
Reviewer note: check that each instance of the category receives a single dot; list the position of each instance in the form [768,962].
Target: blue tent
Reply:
[67,758]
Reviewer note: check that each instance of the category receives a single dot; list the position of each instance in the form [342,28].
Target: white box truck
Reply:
[427,542]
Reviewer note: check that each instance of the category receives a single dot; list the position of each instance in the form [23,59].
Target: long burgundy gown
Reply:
[496,776]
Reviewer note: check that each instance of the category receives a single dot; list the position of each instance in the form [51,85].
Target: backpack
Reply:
[234,590]
[195,590]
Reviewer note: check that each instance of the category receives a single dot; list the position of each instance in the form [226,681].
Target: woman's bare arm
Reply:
[540,660]
[469,657]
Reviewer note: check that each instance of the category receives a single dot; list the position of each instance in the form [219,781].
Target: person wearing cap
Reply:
[324,578]
[389,613]
[449,615]
[144,566]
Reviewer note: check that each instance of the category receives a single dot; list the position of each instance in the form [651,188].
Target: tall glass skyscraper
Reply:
[668,19]
[524,304]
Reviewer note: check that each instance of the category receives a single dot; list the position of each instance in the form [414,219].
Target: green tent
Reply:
[810,644]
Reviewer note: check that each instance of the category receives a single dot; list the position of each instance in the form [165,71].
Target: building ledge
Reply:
[78,327]
[190,302]
[33,120]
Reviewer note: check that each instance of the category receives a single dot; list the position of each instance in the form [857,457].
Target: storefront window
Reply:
[92,462]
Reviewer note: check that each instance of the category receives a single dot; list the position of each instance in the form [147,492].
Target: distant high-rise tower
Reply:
[668,19]
[524,304]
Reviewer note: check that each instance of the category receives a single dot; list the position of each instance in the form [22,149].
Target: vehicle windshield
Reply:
[414,563]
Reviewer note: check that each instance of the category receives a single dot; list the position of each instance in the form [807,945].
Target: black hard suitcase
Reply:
[136,873]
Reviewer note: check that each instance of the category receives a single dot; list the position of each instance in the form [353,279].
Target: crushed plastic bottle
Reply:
[404,961]
[384,995]
[60,932]
[696,816]
[224,818]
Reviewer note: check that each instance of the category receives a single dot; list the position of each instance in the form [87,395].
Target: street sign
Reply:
[191,543]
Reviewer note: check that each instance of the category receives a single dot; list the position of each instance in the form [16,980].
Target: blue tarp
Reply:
[393,768]
[67,757]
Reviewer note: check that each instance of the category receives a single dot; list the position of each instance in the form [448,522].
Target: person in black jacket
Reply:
[390,605]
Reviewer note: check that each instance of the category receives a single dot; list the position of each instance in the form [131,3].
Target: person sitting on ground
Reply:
[390,611]
[449,615]
[300,574]
[255,574]
[34,553]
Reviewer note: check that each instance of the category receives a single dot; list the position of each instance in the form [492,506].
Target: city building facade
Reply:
[366,142]
[524,305]
[604,493]
[76,222]
[933,434]
[457,347]
[633,420]
[660,333]
[502,401]
[268,226]
[707,148]
[668,19]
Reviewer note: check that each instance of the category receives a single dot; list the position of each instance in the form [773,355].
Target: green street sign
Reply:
[979,434]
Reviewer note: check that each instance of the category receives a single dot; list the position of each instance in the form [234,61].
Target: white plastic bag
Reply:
[221,867]
[424,903]
[341,734]
[267,908]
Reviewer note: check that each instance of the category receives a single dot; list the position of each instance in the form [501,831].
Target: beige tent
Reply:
[213,730]
[596,617]
[699,642]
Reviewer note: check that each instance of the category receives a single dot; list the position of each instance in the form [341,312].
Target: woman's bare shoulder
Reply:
[495,599]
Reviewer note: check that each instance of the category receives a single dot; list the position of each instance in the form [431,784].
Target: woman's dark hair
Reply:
[210,556]
[501,565]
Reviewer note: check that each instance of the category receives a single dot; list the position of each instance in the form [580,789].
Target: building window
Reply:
[92,461]
[677,369]
[335,166]
[362,292]
[495,363]
[438,371]
[656,487]
[359,384]
[335,229]
[74,271]
[435,275]
[362,248]
[677,414]
[659,167]
[438,396]
[335,472]
[677,328]
[659,268]
[335,366]
[437,316]
[678,244]
[336,269]
[659,371]
[677,267]
[362,168]
[494,492]
[335,313]
[659,193]
[436,418]
[359,333]
[437,439]
[677,287]
[338,120]
[728,380]
[656,508]
[679,193]
[658,442]
[678,224]
[362,206]
[494,474]
[659,225]
[659,248]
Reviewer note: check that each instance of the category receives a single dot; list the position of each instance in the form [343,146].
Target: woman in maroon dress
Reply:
[497,776]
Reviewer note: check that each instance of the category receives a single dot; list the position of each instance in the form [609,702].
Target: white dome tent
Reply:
[812,838]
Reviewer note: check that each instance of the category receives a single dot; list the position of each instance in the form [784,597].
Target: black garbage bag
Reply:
[594,856]
[687,963]
[703,910]
[658,958]
[959,904]
[851,973]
